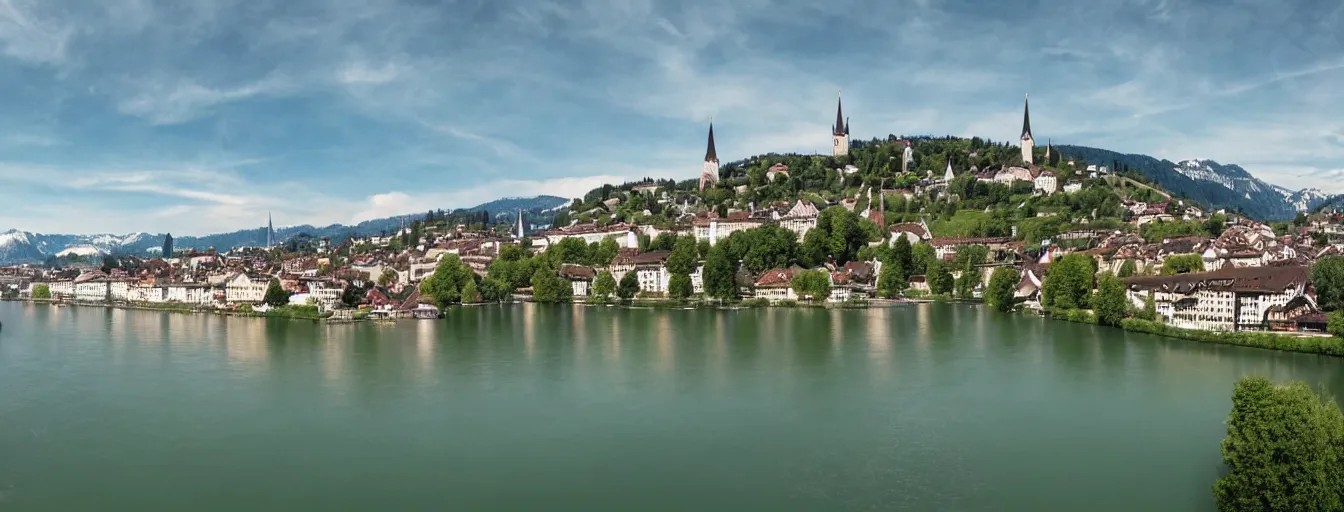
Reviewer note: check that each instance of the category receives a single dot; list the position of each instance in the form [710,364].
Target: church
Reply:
[1028,143]
[840,131]
[709,174]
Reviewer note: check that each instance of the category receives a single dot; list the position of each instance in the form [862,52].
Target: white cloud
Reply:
[362,73]
[392,203]
[26,36]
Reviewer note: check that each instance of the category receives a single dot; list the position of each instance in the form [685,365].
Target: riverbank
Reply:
[1305,343]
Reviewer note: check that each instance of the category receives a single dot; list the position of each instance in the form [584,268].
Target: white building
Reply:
[245,289]
[800,219]
[839,131]
[1028,143]
[714,228]
[1223,300]
[187,293]
[776,285]
[1046,182]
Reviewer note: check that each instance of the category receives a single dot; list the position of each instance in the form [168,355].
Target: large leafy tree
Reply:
[812,284]
[1002,286]
[719,280]
[276,294]
[41,291]
[679,286]
[604,285]
[891,280]
[1110,302]
[629,286]
[547,286]
[922,257]
[445,285]
[1282,450]
[939,278]
[682,259]
[1068,283]
[903,257]
[1327,275]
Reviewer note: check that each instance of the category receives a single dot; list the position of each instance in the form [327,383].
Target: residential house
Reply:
[776,284]
[800,219]
[913,232]
[651,269]
[1227,299]
[580,278]
[713,228]
[246,289]
[1046,182]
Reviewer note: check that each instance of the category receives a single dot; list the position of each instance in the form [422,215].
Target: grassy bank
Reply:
[1323,345]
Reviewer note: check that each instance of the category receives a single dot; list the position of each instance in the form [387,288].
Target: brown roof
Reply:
[1248,279]
[776,278]
[651,257]
[577,272]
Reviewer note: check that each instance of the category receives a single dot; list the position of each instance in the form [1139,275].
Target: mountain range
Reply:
[17,247]
[1210,183]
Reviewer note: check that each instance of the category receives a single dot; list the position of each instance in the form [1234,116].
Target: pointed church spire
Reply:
[710,154]
[1026,118]
[841,124]
[270,231]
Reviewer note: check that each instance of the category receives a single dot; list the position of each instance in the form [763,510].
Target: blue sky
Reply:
[202,116]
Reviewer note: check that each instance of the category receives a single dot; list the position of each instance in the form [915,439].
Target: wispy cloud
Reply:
[165,101]
[25,35]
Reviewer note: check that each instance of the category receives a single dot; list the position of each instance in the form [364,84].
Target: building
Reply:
[800,219]
[1046,182]
[1073,187]
[948,175]
[913,233]
[245,289]
[1028,143]
[776,284]
[713,228]
[709,173]
[1009,175]
[580,278]
[651,271]
[167,246]
[907,157]
[839,131]
[777,172]
[1227,299]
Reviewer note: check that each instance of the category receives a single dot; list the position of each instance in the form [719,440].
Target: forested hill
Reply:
[1209,183]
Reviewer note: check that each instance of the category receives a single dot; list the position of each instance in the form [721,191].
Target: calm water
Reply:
[933,407]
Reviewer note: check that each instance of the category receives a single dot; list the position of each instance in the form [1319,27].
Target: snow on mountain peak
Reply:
[13,236]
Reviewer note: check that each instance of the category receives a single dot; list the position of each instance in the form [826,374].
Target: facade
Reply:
[580,278]
[244,288]
[1046,182]
[839,131]
[190,293]
[714,228]
[1028,143]
[800,219]
[1227,299]
[948,175]
[775,285]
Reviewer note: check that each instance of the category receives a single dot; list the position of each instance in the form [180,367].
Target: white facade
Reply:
[244,289]
[652,279]
[325,293]
[776,293]
[191,294]
[1047,183]
[92,291]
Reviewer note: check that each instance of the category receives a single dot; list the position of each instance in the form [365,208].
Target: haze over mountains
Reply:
[17,247]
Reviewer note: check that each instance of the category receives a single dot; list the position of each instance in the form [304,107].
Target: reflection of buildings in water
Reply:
[837,328]
[426,339]
[612,345]
[580,332]
[246,342]
[923,328]
[336,345]
[529,330]
[666,350]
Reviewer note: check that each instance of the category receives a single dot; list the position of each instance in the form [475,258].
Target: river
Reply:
[927,407]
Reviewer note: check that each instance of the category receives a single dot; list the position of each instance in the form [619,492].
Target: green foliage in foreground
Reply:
[1081,316]
[1326,345]
[296,312]
[41,291]
[1283,449]
[1002,286]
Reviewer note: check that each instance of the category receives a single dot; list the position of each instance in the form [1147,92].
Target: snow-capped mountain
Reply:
[24,247]
[1211,184]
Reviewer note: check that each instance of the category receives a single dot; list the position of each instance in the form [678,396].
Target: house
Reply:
[1009,175]
[190,293]
[1073,186]
[1227,299]
[946,248]
[919,283]
[243,288]
[776,284]
[913,232]
[800,219]
[1299,314]
[1046,182]
[713,228]
[651,270]
[580,278]
[645,188]
[1028,288]
[778,171]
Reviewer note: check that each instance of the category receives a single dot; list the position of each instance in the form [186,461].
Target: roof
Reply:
[710,154]
[1026,118]
[1246,279]
[840,127]
[577,272]
[803,209]
[651,257]
[776,278]
[970,241]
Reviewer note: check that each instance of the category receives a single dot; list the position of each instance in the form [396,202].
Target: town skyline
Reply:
[321,116]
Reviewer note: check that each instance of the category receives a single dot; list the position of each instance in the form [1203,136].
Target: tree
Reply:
[922,256]
[812,285]
[939,278]
[815,247]
[1002,287]
[1149,311]
[549,287]
[903,257]
[1327,275]
[682,259]
[891,280]
[604,285]
[388,277]
[1110,302]
[719,281]
[1127,269]
[606,251]
[1182,264]
[965,284]
[445,285]
[1300,220]
[41,291]
[275,294]
[1068,283]
[494,289]
[352,296]
[679,286]
[1282,449]
[629,286]
[470,295]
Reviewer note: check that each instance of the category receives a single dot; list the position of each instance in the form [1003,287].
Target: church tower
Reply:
[270,232]
[709,174]
[840,131]
[1028,143]
[948,175]
[520,224]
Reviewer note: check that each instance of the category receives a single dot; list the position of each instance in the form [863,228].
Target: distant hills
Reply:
[18,247]
[1212,184]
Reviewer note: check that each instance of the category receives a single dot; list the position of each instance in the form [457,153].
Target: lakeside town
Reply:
[861,226]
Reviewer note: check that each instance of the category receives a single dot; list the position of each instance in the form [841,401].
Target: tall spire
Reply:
[710,154]
[520,224]
[841,125]
[1026,118]
[270,231]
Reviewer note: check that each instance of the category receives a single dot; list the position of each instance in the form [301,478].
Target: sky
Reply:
[203,116]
